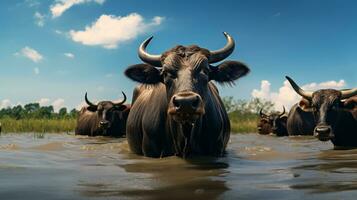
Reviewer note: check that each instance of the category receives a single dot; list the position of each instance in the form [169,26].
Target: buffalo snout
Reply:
[186,106]
[104,124]
[323,132]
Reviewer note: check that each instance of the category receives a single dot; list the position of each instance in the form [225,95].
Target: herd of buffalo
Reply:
[176,108]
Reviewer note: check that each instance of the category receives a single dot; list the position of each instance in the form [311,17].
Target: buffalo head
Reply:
[186,71]
[264,124]
[272,123]
[106,111]
[325,104]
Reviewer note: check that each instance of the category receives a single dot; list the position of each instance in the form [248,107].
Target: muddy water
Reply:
[61,166]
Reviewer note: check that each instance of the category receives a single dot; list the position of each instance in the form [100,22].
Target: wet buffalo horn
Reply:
[282,113]
[146,57]
[88,102]
[301,92]
[123,101]
[221,54]
[348,93]
[261,112]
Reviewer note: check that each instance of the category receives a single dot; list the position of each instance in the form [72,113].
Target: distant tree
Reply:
[32,107]
[229,103]
[44,112]
[35,111]
[62,112]
[256,104]
[246,107]
[17,112]
[73,113]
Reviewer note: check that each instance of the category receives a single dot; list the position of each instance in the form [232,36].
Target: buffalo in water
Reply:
[301,121]
[272,123]
[334,113]
[177,109]
[104,118]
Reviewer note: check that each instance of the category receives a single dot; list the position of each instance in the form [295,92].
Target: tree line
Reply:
[235,107]
[241,110]
[35,111]
[252,106]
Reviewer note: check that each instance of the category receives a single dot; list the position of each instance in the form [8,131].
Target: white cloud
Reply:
[32,3]
[36,70]
[58,104]
[30,53]
[39,19]
[69,55]
[109,30]
[109,75]
[44,101]
[61,6]
[58,32]
[286,96]
[6,103]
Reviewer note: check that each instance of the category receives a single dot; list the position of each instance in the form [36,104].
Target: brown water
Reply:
[60,166]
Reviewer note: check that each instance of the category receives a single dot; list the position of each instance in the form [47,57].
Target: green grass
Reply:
[240,123]
[37,125]
[243,123]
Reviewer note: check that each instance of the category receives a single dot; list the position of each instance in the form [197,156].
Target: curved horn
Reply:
[281,114]
[146,57]
[348,93]
[301,92]
[261,112]
[88,102]
[123,101]
[223,53]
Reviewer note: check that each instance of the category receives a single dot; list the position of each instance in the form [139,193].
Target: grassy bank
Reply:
[239,124]
[243,123]
[10,125]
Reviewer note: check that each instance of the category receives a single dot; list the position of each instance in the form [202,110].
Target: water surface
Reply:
[61,166]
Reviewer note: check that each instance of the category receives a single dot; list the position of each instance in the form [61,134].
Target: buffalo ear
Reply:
[284,118]
[92,108]
[228,71]
[143,73]
[121,107]
[349,104]
[305,105]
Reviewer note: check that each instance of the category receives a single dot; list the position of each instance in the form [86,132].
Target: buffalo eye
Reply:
[311,107]
[336,105]
[168,75]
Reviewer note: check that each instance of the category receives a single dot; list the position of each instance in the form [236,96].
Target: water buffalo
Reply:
[300,120]
[105,118]
[264,125]
[334,115]
[273,123]
[177,109]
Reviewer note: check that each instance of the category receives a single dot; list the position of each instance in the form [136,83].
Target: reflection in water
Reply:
[62,166]
[180,179]
[335,171]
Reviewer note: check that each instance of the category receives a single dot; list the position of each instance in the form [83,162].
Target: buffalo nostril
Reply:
[104,123]
[195,103]
[175,102]
[323,133]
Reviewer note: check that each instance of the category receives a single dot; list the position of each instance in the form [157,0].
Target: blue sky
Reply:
[312,41]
